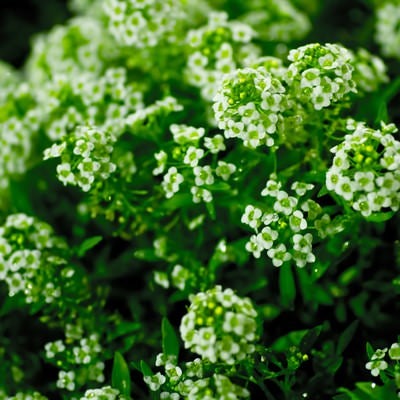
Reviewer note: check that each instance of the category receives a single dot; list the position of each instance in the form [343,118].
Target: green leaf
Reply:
[124,328]
[211,210]
[370,350]
[19,194]
[308,340]
[12,303]
[369,391]
[120,377]
[287,286]
[146,370]
[380,217]
[291,339]
[180,200]
[346,337]
[170,341]
[87,245]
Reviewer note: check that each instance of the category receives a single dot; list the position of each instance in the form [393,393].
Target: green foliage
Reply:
[120,377]
[200,200]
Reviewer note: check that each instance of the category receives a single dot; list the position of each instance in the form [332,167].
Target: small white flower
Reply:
[203,175]
[252,216]
[154,382]
[255,246]
[279,255]
[284,203]
[64,174]
[193,155]
[225,170]
[297,221]
[376,366]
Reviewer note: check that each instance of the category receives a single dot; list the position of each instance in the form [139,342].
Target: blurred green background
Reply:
[19,20]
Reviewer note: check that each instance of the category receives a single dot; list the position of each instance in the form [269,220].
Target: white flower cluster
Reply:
[387,28]
[179,277]
[190,382]
[81,355]
[17,125]
[369,70]
[218,387]
[24,396]
[104,393]
[281,229]
[220,326]
[85,157]
[189,153]
[68,49]
[276,20]
[160,108]
[142,23]
[248,106]
[105,101]
[23,244]
[378,363]
[320,73]
[215,51]
[365,170]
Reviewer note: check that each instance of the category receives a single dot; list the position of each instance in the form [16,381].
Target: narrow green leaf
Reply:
[87,245]
[346,337]
[146,370]
[308,340]
[120,377]
[370,350]
[211,210]
[170,341]
[287,286]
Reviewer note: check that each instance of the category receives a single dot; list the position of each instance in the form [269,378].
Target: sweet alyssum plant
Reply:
[194,200]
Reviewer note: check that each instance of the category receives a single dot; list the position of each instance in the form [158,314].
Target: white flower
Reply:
[193,155]
[279,255]
[252,216]
[215,144]
[297,221]
[284,203]
[376,366]
[203,175]
[225,170]
[54,151]
[64,174]
[200,194]
[267,237]
[171,182]
[66,380]
[255,246]
[154,382]
[365,181]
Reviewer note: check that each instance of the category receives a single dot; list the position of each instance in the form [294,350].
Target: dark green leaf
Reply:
[287,285]
[346,337]
[370,350]
[124,328]
[121,378]
[20,197]
[87,245]
[170,341]
[211,210]
[291,339]
[308,340]
[146,370]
